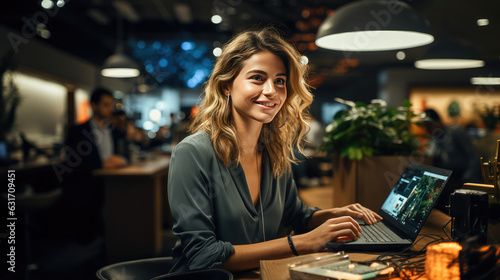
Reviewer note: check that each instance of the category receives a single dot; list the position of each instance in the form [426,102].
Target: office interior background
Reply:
[60,46]
[56,50]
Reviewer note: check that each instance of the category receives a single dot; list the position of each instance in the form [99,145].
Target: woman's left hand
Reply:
[357,211]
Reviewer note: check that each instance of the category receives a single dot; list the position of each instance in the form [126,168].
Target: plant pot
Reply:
[370,180]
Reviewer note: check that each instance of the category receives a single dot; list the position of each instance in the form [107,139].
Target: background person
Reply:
[451,148]
[91,145]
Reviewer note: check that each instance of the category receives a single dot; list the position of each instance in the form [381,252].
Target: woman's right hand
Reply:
[330,230]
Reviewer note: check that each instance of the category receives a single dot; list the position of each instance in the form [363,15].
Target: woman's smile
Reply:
[267,105]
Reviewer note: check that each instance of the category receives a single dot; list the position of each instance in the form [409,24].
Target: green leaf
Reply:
[407,104]
[371,129]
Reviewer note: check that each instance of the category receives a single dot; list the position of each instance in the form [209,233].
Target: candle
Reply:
[442,261]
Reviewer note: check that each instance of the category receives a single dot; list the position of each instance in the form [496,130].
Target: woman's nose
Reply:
[269,87]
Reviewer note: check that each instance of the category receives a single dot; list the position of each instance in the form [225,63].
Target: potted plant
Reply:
[371,145]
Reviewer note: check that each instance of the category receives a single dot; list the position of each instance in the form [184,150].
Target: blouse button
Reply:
[255,240]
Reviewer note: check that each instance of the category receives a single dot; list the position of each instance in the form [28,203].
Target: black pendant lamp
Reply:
[374,25]
[120,65]
[447,54]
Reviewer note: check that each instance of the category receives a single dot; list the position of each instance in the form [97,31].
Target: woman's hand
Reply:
[330,230]
[357,211]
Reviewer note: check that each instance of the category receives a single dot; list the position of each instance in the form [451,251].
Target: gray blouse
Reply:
[212,209]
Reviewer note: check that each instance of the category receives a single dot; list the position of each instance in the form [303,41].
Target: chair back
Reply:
[144,269]
[205,274]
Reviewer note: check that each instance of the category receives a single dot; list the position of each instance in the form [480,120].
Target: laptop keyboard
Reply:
[373,233]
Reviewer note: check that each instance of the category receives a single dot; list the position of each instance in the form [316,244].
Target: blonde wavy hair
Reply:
[286,131]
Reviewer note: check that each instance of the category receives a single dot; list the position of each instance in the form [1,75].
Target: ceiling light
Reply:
[216,19]
[483,22]
[449,63]
[400,55]
[47,4]
[217,51]
[378,25]
[485,80]
[447,54]
[45,34]
[120,65]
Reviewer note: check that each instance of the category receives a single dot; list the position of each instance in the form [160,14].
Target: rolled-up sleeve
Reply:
[190,200]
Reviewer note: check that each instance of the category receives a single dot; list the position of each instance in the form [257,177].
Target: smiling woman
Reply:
[230,190]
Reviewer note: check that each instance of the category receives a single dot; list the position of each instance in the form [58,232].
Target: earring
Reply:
[227,104]
[286,118]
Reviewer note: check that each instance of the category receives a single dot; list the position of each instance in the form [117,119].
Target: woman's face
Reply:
[259,90]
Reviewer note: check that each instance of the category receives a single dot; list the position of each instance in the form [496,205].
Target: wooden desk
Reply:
[133,209]
[278,269]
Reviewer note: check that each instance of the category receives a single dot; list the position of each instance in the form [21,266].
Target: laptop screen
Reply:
[412,198]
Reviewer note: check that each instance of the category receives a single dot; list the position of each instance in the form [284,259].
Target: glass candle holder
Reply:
[442,261]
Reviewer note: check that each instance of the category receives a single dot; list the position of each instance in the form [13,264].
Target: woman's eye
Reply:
[257,78]
[280,81]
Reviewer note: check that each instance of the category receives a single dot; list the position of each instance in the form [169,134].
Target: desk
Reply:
[278,269]
[133,209]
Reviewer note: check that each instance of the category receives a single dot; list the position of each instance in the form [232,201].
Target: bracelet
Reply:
[290,242]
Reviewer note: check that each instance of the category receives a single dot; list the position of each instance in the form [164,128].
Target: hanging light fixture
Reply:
[447,54]
[486,81]
[486,77]
[120,65]
[374,25]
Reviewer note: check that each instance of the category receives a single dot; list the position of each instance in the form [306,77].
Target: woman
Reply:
[230,187]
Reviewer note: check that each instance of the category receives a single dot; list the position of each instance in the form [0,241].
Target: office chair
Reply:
[32,202]
[205,274]
[143,269]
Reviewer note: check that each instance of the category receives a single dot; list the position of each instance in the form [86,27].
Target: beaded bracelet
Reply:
[290,242]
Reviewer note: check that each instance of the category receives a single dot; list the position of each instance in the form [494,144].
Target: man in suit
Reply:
[95,141]
[91,145]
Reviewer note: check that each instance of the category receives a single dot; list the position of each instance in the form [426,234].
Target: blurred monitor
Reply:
[4,153]
[328,111]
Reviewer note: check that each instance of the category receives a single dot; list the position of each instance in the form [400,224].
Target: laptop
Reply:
[405,211]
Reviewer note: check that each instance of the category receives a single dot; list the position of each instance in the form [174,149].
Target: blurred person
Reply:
[98,133]
[90,146]
[451,148]
[230,189]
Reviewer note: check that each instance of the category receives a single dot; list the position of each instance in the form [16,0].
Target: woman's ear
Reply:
[226,89]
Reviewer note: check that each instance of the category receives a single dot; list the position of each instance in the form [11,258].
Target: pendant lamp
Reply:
[486,76]
[120,65]
[485,81]
[447,54]
[374,25]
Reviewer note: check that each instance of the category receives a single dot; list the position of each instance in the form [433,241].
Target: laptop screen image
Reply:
[413,197]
